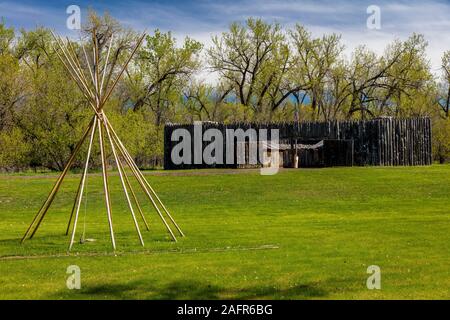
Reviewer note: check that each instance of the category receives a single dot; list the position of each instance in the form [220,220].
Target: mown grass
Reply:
[300,234]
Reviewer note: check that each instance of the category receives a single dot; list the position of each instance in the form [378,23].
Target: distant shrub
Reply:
[13,150]
[441,140]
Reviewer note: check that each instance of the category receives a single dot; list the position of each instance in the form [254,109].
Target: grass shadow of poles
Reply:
[195,290]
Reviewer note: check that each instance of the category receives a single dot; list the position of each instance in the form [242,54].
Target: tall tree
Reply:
[444,96]
[253,58]
[161,70]
[313,70]
[206,102]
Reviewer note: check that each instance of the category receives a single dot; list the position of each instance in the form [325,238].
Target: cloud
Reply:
[22,15]
[200,19]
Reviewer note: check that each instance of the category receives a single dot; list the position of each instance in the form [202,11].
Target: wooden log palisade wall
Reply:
[378,142]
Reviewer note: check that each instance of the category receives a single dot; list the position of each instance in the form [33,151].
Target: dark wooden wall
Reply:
[378,142]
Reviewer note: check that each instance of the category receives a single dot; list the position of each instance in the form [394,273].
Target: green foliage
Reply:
[53,119]
[143,139]
[162,71]
[441,140]
[252,59]
[263,73]
[14,151]
[6,38]
[11,89]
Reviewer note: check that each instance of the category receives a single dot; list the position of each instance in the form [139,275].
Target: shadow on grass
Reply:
[189,289]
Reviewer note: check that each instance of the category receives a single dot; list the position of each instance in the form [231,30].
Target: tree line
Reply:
[261,71]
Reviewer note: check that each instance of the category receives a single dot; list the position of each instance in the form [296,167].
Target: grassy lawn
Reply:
[299,234]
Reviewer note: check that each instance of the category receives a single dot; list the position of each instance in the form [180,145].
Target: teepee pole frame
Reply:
[97,92]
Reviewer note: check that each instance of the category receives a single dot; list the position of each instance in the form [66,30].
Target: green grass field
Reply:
[301,234]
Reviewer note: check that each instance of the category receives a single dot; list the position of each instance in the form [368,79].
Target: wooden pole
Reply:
[106,97]
[96,69]
[74,78]
[123,184]
[146,182]
[105,184]
[43,210]
[133,194]
[74,206]
[87,61]
[142,184]
[147,192]
[83,180]
[162,205]
[76,60]
[72,64]
[106,65]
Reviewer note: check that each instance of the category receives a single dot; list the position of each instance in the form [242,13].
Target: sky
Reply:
[201,19]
